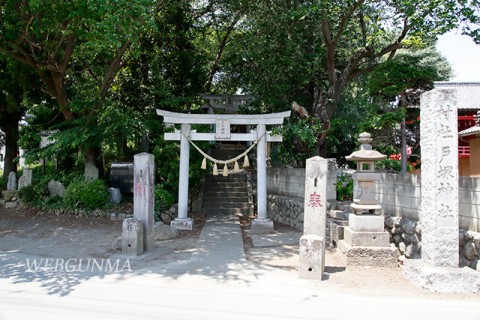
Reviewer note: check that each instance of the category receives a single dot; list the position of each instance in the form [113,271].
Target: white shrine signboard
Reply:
[222,129]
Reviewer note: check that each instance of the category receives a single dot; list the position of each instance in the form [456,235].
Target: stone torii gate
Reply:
[222,124]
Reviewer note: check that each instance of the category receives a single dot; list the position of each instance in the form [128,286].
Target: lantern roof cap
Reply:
[366,153]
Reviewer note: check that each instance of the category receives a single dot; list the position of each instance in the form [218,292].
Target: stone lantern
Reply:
[365,242]
[364,200]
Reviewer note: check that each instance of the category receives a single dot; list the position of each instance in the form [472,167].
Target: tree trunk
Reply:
[11,145]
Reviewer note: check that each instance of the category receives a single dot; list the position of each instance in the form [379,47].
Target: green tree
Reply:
[77,49]
[310,51]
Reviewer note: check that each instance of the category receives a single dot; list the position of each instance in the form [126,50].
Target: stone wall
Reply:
[400,195]
[286,209]
[291,182]
[406,234]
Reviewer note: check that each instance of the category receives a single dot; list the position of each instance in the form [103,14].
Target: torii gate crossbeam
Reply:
[261,223]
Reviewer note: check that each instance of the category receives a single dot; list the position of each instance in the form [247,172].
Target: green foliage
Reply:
[389,165]
[299,142]
[86,195]
[344,187]
[163,199]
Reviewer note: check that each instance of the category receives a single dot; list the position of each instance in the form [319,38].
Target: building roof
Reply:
[473,130]
[468,93]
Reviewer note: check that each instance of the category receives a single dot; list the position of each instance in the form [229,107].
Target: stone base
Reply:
[442,279]
[366,239]
[11,205]
[262,226]
[366,208]
[312,257]
[182,224]
[132,236]
[386,257]
[366,223]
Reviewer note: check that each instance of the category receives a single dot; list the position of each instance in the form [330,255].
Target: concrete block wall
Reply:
[469,203]
[291,182]
[400,195]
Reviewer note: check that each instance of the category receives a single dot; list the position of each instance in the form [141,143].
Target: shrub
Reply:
[344,187]
[163,199]
[86,195]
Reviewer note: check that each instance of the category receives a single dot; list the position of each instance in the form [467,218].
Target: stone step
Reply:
[226,205]
[214,200]
[229,185]
[215,211]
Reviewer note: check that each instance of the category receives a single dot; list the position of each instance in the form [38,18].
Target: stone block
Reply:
[312,257]
[56,188]
[132,236]
[11,205]
[377,257]
[442,279]
[262,226]
[183,224]
[337,214]
[366,239]
[366,222]
[8,195]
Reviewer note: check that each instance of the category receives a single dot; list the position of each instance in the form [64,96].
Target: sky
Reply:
[463,54]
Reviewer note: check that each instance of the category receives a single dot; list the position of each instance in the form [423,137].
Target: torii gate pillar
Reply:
[262,223]
[183,222]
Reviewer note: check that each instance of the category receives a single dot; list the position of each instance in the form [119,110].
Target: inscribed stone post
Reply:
[312,243]
[12,181]
[439,144]
[25,179]
[143,198]
[315,212]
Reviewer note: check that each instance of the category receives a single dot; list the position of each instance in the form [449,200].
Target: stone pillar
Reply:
[132,236]
[183,222]
[312,243]
[439,144]
[438,270]
[262,223]
[315,208]
[143,197]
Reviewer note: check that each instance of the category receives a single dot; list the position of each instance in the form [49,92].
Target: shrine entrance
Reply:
[223,123]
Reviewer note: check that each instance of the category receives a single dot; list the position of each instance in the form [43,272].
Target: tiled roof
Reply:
[468,93]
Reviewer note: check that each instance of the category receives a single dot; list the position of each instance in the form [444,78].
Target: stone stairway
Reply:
[226,195]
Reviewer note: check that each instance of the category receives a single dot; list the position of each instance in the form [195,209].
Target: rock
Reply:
[469,250]
[461,237]
[12,181]
[11,204]
[165,232]
[166,218]
[389,222]
[397,221]
[476,241]
[411,251]
[408,226]
[418,228]
[117,244]
[464,262]
[397,239]
[115,195]
[402,259]
[475,265]
[9,195]
[410,238]
[56,188]
[401,247]
[469,235]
